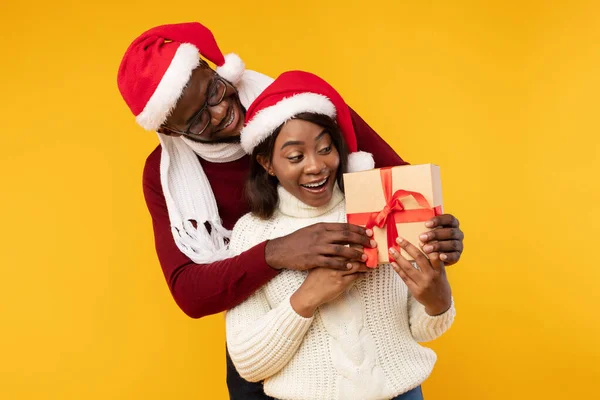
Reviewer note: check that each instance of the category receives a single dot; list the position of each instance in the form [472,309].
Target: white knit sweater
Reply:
[363,345]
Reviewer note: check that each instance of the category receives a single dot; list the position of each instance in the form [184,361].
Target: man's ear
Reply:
[266,164]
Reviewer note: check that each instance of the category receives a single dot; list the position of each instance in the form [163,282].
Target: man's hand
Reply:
[445,238]
[321,245]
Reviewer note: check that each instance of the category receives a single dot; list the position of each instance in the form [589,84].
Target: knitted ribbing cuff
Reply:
[291,325]
[426,327]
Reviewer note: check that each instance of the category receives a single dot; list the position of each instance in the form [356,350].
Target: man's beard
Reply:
[228,139]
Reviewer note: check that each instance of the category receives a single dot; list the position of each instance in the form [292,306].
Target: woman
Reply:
[326,334]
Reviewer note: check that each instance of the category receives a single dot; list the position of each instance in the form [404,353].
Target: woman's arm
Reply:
[430,304]
[261,340]
[425,327]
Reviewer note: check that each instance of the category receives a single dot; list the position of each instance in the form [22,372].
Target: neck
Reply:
[293,207]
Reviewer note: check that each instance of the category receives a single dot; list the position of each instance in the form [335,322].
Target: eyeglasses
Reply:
[201,119]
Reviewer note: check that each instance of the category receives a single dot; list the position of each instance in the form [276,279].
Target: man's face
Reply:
[223,121]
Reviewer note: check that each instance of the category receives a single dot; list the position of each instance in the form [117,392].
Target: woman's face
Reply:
[305,161]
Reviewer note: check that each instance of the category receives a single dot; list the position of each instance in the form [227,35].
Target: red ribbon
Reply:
[393,213]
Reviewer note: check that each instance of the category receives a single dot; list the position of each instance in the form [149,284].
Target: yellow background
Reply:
[502,94]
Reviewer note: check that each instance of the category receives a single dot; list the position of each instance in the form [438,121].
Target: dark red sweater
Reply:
[204,289]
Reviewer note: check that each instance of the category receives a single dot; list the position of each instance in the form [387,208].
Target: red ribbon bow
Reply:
[392,213]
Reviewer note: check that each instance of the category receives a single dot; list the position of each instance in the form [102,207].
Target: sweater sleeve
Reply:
[425,327]
[200,289]
[368,140]
[261,341]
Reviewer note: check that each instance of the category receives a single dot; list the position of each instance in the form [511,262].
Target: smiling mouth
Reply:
[226,122]
[316,186]
[230,119]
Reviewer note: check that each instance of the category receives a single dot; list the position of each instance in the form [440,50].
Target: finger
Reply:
[340,264]
[361,267]
[445,246]
[356,267]
[444,220]
[349,238]
[405,265]
[449,251]
[436,262]
[420,258]
[332,263]
[440,234]
[340,226]
[349,234]
[342,252]
[450,258]
[405,278]
[347,279]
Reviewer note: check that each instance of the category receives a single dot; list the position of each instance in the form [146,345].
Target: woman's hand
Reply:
[321,286]
[429,284]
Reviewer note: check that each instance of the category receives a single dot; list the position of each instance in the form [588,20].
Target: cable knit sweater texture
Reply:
[363,345]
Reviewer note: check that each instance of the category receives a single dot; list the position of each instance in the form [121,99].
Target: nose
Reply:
[314,165]
[218,113]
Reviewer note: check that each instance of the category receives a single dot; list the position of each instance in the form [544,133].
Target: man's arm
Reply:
[201,289]
[205,289]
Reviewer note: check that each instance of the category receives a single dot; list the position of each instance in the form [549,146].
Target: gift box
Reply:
[393,201]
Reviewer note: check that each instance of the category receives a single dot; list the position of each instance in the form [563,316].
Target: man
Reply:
[193,182]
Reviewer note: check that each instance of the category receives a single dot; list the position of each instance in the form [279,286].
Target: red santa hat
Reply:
[159,63]
[296,92]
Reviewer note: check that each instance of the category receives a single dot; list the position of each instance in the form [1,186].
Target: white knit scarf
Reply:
[189,197]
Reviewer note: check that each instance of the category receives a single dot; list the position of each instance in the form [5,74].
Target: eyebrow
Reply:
[298,142]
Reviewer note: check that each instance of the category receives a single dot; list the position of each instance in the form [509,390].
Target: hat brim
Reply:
[171,86]
[270,118]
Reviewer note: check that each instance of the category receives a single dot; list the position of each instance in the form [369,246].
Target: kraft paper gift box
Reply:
[406,195]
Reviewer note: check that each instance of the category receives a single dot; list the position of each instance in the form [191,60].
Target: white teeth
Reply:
[316,184]
[230,120]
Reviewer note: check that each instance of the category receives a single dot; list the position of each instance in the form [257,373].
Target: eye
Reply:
[216,92]
[212,90]
[296,158]
[200,123]
[325,150]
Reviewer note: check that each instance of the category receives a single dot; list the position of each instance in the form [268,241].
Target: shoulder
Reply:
[245,220]
[250,223]
[248,231]
[152,166]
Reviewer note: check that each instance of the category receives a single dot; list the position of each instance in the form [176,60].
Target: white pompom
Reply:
[360,161]
[232,69]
